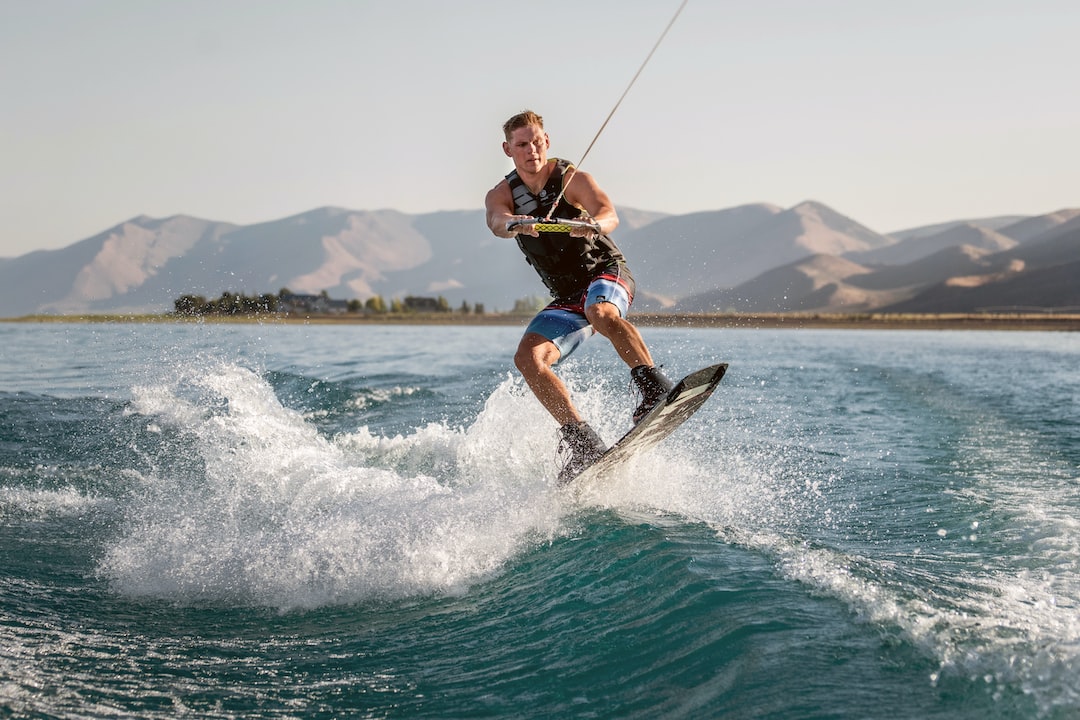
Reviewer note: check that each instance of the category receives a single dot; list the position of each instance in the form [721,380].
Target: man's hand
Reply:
[521,225]
[590,231]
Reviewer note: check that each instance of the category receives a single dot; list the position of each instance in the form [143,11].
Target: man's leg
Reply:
[534,357]
[607,319]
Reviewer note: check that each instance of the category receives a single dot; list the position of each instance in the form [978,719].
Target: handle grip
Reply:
[553,225]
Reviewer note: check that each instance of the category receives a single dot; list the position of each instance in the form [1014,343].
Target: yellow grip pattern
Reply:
[552,227]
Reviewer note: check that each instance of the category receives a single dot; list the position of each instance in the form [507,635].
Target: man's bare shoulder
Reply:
[500,193]
[583,188]
[580,175]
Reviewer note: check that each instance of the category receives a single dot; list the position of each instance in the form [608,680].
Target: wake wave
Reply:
[991,592]
[260,508]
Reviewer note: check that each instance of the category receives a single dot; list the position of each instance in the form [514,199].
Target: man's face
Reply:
[528,147]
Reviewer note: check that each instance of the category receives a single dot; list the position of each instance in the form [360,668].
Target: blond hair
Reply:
[525,118]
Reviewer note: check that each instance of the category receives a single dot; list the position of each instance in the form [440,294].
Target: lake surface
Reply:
[236,521]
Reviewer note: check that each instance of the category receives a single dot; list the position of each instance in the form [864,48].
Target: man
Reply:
[585,272]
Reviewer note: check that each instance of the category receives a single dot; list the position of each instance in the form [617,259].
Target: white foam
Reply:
[283,516]
[59,502]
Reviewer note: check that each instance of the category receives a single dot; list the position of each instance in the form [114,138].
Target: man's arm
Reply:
[585,193]
[500,210]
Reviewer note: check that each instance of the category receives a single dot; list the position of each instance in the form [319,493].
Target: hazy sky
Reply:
[895,113]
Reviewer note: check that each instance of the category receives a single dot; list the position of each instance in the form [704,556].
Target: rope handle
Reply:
[556,225]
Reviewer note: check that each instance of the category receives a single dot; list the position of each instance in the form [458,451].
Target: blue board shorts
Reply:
[565,323]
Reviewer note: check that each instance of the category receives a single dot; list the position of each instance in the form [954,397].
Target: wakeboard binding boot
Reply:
[580,444]
[653,386]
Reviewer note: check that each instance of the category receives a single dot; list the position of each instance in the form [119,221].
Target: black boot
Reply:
[653,386]
[583,446]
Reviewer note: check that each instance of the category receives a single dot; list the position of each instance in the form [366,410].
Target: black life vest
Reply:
[566,264]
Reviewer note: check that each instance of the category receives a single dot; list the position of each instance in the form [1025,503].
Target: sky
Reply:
[896,114]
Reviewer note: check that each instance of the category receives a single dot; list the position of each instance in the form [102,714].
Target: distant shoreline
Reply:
[857,321]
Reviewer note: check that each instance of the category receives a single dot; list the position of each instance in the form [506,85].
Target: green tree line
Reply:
[285,301]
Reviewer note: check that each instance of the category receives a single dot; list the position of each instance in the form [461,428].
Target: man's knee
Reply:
[524,359]
[602,315]
[535,353]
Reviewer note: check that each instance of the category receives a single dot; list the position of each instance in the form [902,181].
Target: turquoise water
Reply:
[288,521]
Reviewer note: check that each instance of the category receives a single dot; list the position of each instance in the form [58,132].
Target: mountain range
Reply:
[750,258]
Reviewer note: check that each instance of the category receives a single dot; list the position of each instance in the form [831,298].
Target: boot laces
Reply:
[564,452]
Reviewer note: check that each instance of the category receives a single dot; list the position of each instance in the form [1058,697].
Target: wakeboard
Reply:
[688,395]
